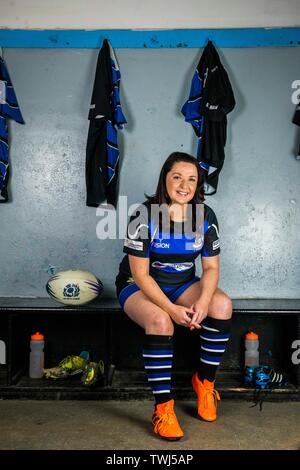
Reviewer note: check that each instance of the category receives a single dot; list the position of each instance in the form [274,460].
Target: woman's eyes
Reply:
[192,180]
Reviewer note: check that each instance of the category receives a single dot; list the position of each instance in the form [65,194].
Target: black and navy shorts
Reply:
[126,287]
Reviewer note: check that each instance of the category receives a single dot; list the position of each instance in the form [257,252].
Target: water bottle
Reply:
[36,360]
[251,350]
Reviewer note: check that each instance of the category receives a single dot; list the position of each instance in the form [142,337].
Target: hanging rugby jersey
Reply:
[9,109]
[106,116]
[211,99]
[296,120]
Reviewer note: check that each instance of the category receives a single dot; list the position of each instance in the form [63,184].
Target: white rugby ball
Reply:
[74,287]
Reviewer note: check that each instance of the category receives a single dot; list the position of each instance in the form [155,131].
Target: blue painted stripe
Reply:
[124,38]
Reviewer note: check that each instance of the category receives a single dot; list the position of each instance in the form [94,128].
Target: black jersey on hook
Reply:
[211,99]
[105,115]
[296,120]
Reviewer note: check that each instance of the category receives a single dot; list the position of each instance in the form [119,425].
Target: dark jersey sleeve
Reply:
[211,245]
[296,118]
[138,239]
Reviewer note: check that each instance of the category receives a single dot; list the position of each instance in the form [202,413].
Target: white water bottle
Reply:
[36,359]
[251,350]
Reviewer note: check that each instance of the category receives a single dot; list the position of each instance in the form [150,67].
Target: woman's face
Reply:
[181,182]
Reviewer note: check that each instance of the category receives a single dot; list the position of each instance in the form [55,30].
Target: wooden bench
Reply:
[105,331]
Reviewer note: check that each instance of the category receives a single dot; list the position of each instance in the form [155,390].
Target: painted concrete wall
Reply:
[47,227]
[97,14]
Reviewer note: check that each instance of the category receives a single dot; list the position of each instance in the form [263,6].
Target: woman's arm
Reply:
[209,279]
[140,272]
[208,285]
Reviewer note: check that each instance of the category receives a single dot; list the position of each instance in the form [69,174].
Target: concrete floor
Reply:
[119,425]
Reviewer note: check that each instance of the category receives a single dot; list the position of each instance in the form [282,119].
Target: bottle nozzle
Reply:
[37,336]
[251,335]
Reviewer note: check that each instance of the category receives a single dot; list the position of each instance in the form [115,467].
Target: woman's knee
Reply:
[227,307]
[221,306]
[160,323]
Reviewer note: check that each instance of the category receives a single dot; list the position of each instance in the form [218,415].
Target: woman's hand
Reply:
[200,310]
[181,315]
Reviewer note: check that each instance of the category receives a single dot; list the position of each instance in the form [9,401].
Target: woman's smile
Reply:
[181,182]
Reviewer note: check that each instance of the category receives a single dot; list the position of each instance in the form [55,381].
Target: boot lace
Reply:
[164,419]
[211,397]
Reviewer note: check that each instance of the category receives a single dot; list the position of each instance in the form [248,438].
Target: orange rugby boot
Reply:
[165,423]
[207,398]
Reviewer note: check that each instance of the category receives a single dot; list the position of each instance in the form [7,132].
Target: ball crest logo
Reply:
[74,287]
[71,290]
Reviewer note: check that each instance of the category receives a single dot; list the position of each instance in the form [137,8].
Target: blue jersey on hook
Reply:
[9,109]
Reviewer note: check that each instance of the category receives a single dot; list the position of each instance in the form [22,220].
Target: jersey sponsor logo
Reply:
[134,245]
[172,266]
[212,106]
[216,244]
[161,244]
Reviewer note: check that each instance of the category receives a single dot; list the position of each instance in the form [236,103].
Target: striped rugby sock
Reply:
[158,360]
[214,336]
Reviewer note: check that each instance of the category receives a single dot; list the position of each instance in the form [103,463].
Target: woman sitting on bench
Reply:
[157,286]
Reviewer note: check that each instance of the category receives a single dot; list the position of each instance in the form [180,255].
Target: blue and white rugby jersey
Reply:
[9,109]
[171,259]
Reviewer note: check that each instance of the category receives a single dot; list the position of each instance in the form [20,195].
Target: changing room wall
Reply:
[100,14]
[47,227]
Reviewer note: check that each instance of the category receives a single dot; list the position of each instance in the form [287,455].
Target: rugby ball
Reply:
[74,287]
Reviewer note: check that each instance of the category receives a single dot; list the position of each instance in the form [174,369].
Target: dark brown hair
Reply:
[161,195]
